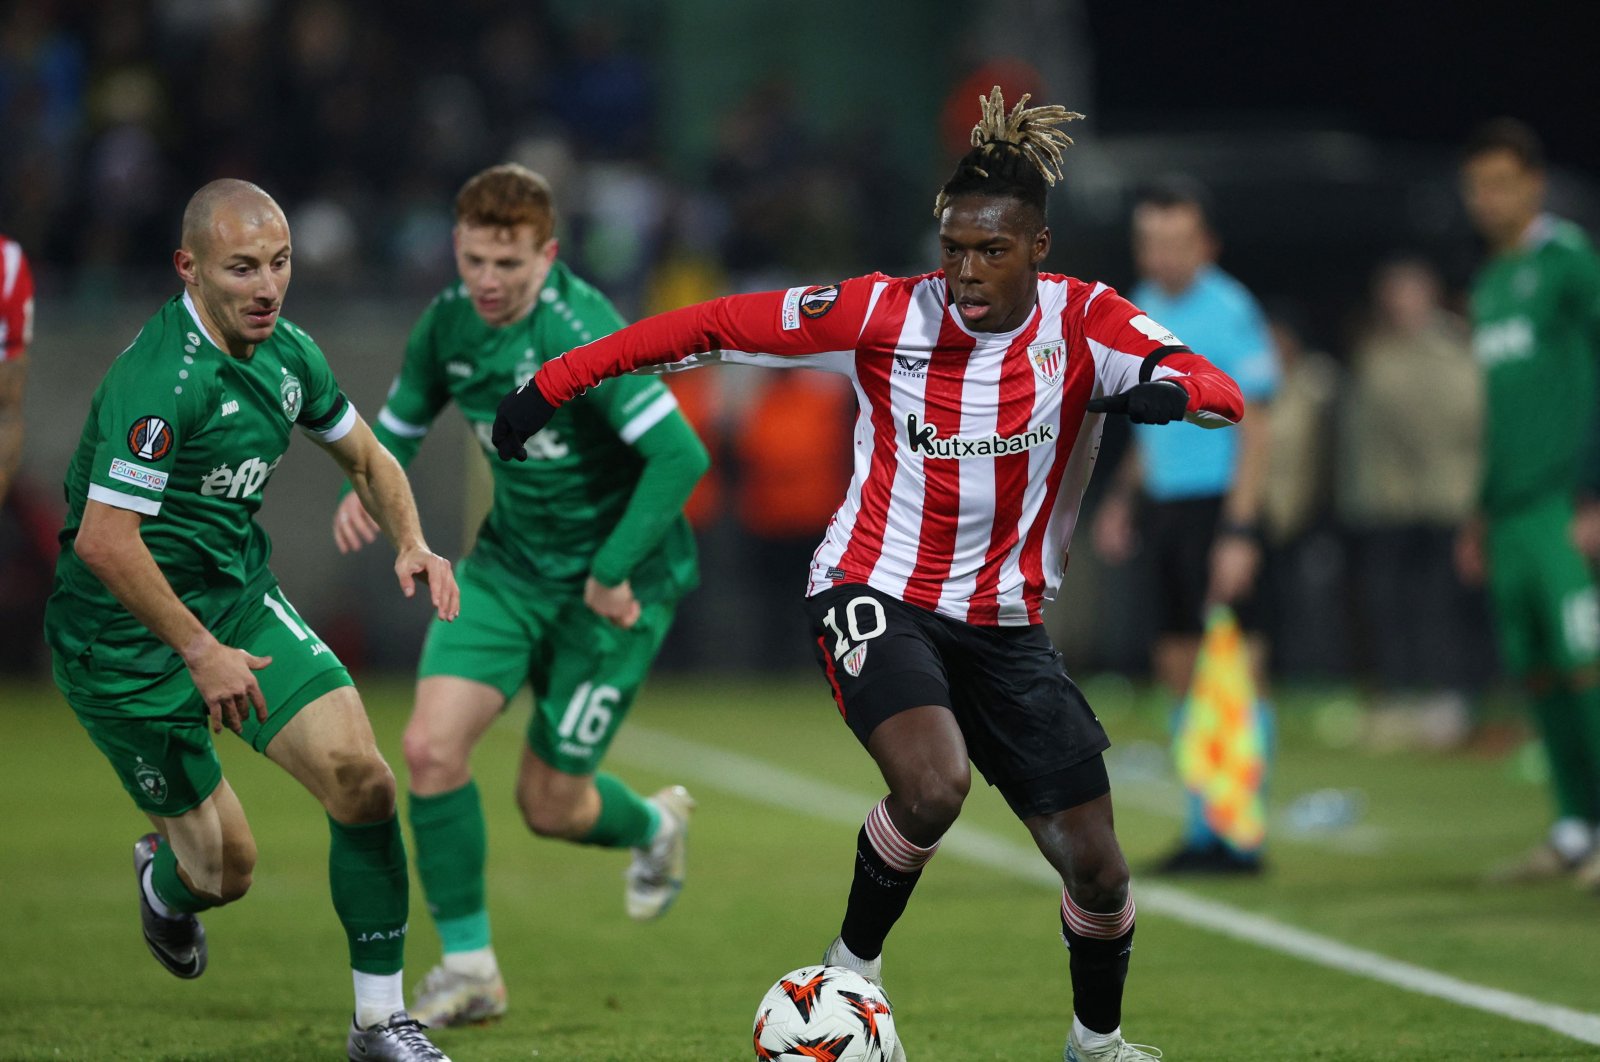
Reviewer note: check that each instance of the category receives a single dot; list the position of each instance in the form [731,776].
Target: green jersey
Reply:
[1536,331]
[559,516]
[187,436]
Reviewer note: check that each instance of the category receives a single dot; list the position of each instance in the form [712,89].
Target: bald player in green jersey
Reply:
[166,618]
[570,587]
[1536,333]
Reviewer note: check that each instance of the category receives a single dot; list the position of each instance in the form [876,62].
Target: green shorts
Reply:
[1546,610]
[154,728]
[584,671]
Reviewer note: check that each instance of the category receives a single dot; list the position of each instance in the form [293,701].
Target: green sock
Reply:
[452,846]
[627,820]
[1565,731]
[173,892]
[371,892]
[1586,708]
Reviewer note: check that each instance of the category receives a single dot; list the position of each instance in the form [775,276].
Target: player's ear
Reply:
[1041,245]
[184,262]
[549,251]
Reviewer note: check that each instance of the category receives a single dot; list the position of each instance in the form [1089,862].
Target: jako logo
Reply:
[925,440]
[242,482]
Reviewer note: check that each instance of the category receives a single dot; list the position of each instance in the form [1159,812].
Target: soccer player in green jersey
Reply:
[1536,333]
[570,587]
[165,612]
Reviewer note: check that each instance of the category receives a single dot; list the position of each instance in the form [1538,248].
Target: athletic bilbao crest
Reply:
[855,660]
[150,438]
[1049,360]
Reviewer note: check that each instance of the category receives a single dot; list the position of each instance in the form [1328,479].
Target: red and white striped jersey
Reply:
[16,301]
[972,450]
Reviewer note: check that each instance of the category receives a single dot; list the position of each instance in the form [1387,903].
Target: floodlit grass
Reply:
[975,969]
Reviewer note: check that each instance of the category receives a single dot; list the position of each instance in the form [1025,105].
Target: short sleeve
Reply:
[141,428]
[325,413]
[1583,293]
[1252,362]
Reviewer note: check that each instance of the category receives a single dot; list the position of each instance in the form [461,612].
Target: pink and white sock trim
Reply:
[1093,924]
[891,847]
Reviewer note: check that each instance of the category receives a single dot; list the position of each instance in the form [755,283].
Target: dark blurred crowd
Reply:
[111,113]
[363,120]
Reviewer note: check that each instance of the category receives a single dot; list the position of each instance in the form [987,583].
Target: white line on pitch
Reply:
[763,782]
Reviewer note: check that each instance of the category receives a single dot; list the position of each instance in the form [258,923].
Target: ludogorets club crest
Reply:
[152,781]
[290,393]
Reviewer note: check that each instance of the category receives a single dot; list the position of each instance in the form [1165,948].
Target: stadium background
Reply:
[706,146]
[709,145]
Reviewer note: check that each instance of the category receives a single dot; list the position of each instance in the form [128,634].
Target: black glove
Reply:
[518,416]
[1157,402]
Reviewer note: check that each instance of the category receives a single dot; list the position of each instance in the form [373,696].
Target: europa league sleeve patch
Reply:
[150,438]
[818,301]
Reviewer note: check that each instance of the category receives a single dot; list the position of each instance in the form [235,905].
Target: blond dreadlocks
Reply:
[1016,154]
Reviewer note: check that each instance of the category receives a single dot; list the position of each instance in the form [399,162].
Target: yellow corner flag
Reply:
[1218,746]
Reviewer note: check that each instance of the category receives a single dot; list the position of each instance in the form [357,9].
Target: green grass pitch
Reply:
[976,969]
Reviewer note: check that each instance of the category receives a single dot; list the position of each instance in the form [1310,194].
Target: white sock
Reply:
[476,963]
[378,996]
[843,956]
[1573,838]
[150,894]
[1090,1040]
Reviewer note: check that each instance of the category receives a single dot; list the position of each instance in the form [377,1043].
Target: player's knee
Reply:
[364,789]
[433,765]
[934,798]
[1099,881]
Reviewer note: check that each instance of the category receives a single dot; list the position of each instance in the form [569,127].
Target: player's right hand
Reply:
[520,414]
[226,679]
[353,526]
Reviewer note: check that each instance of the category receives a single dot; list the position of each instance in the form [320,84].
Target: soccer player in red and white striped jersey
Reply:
[16,332]
[981,390]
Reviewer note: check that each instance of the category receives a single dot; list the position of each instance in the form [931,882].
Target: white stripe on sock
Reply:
[891,846]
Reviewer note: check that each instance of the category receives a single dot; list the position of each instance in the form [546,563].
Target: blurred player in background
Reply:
[1204,488]
[165,611]
[1536,333]
[571,586]
[979,390]
[16,332]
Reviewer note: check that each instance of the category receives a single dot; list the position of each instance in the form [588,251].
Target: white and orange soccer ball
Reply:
[824,1014]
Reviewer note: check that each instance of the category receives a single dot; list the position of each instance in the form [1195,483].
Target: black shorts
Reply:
[1179,536]
[1028,728]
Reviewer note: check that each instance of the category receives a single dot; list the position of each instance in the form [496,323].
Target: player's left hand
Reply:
[419,562]
[519,415]
[353,526]
[1156,402]
[1235,559]
[615,603]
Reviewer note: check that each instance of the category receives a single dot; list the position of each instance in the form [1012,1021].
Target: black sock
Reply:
[878,898]
[1099,970]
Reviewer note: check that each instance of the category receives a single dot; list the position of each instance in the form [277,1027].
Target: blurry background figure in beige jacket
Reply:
[1407,483]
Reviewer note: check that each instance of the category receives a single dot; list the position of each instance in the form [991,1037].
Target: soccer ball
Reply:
[826,1014]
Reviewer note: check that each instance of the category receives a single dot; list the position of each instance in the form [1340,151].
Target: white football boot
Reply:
[1118,1050]
[449,997]
[655,877]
